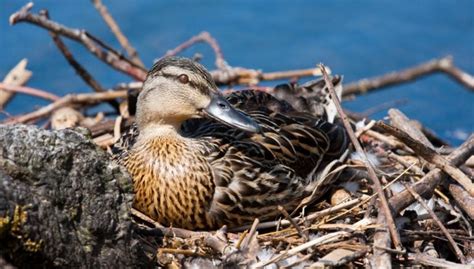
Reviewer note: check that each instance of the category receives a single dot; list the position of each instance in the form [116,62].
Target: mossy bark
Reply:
[64,202]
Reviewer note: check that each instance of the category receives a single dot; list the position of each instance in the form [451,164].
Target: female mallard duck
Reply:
[199,162]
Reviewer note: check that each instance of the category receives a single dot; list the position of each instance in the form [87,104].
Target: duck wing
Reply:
[254,173]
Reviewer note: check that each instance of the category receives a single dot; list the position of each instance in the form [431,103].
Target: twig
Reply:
[293,222]
[102,51]
[372,175]
[81,71]
[30,91]
[206,38]
[186,252]
[315,215]
[431,156]
[251,234]
[70,99]
[444,65]
[122,39]
[17,77]
[438,222]
[238,75]
[427,184]
[331,237]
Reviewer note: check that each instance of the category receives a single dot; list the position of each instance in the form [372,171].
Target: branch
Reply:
[85,98]
[81,71]
[122,39]
[101,50]
[206,38]
[438,222]
[30,91]
[431,156]
[444,65]
[371,172]
[430,181]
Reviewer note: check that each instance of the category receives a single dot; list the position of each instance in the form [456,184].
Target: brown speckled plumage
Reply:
[207,174]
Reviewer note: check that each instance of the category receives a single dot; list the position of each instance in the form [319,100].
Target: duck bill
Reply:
[220,110]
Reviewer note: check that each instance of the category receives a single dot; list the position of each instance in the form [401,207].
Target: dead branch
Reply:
[431,156]
[101,50]
[444,65]
[206,38]
[17,77]
[11,88]
[122,39]
[80,70]
[463,199]
[70,99]
[331,237]
[239,75]
[401,121]
[438,222]
[420,258]
[430,181]
[373,176]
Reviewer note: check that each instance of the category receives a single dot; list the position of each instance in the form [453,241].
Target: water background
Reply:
[357,39]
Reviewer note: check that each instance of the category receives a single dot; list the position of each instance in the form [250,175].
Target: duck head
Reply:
[177,89]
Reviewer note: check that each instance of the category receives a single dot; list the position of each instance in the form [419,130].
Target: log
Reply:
[64,203]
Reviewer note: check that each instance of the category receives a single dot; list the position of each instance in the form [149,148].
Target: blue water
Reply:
[355,38]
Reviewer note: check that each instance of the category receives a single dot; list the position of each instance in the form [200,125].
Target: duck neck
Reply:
[159,129]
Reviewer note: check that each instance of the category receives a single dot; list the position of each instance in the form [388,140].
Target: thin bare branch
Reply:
[444,65]
[71,99]
[206,38]
[438,222]
[122,39]
[98,48]
[30,91]
[373,176]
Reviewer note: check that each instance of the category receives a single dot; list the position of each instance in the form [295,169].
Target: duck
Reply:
[200,160]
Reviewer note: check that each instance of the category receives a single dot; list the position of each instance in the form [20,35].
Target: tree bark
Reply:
[63,202]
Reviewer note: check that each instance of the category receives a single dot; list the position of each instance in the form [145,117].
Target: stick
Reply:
[430,181]
[81,71]
[372,175]
[11,88]
[122,39]
[98,48]
[293,222]
[70,99]
[17,77]
[436,262]
[438,222]
[331,237]
[402,122]
[431,156]
[444,65]
[463,199]
[208,39]
[315,215]
[238,75]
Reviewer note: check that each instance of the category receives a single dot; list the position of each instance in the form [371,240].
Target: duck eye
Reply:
[183,78]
